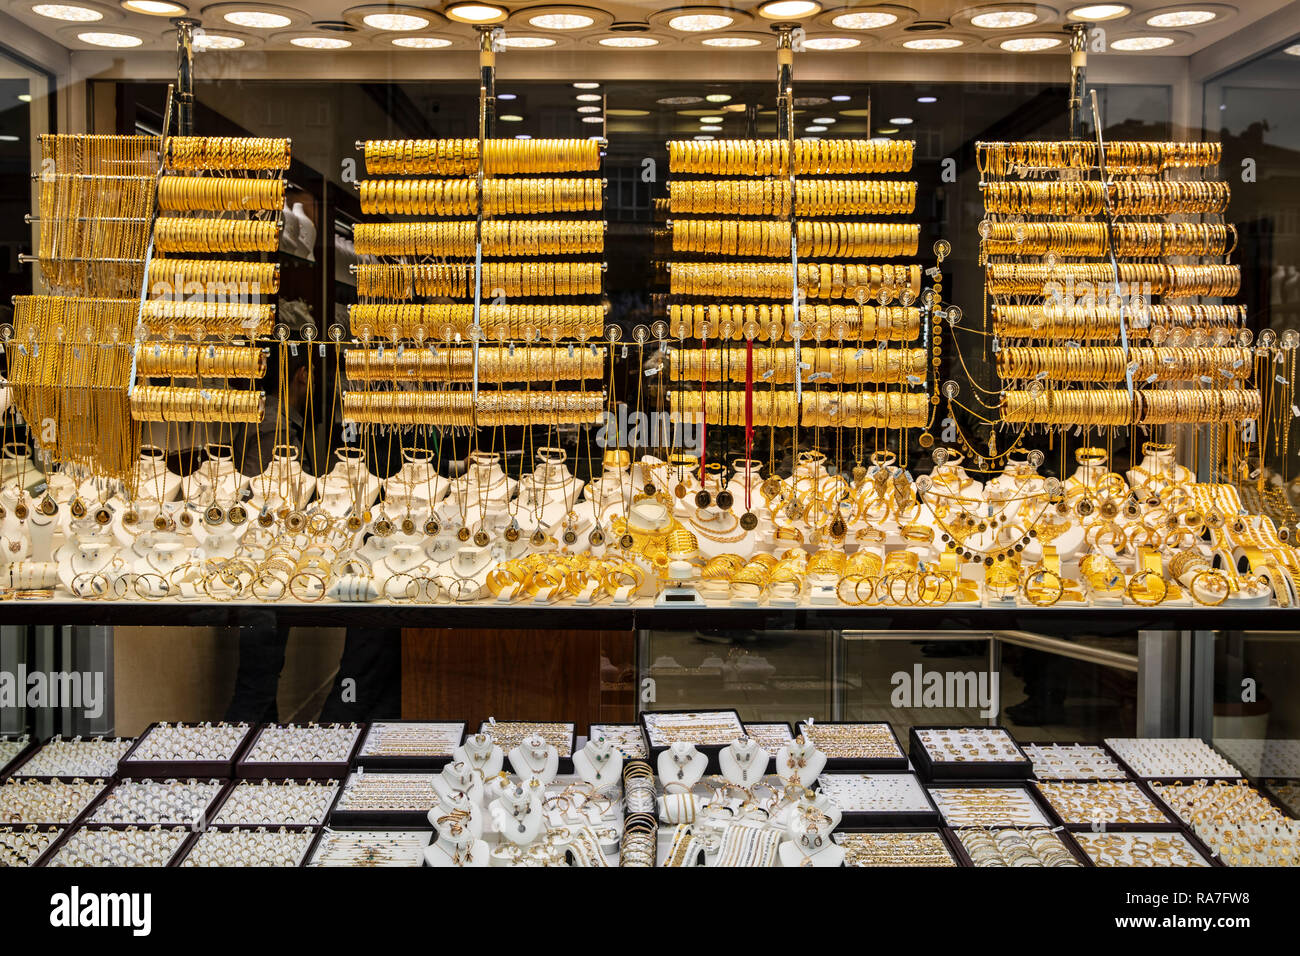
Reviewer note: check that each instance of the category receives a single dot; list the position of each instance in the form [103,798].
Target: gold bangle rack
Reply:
[512,220]
[1098,275]
[221,198]
[792,212]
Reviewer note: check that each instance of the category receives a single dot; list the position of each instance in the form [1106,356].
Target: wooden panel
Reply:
[509,674]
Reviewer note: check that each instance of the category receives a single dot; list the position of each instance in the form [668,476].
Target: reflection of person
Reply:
[261,647]
[256,447]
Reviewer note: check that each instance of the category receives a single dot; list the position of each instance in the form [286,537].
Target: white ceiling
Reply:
[333,18]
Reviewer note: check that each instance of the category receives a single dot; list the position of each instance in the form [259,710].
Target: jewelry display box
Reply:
[1184,758]
[1065,839]
[13,751]
[770,736]
[23,767]
[879,735]
[412,814]
[436,756]
[929,847]
[627,739]
[135,765]
[871,800]
[250,766]
[928,768]
[507,734]
[664,727]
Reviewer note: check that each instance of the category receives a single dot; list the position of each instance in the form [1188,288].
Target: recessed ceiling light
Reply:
[1028,45]
[814,129]
[522,136]
[831,43]
[718,97]
[257,19]
[63,11]
[841,98]
[1096,12]
[731,42]
[927,99]
[526,43]
[321,43]
[421,43]
[205,41]
[588,97]
[395,21]
[900,120]
[506,96]
[864,21]
[827,120]
[886,131]
[679,100]
[8,138]
[710,119]
[475,13]
[154,8]
[24,97]
[1138,44]
[711,128]
[699,22]
[788,9]
[1293,50]
[932,43]
[586,86]
[593,119]
[1003,19]
[116,40]
[561,21]
[704,139]
[510,118]
[1181,18]
[588,109]
[628,43]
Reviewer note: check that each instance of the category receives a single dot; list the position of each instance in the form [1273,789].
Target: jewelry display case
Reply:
[764,435]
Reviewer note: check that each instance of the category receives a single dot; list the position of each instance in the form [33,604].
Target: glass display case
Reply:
[756,435]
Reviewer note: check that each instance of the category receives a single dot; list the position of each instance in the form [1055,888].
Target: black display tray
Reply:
[225,796]
[969,771]
[860,764]
[1183,778]
[408,762]
[943,832]
[128,766]
[711,751]
[953,836]
[15,768]
[320,835]
[54,847]
[566,763]
[855,821]
[209,812]
[246,769]
[103,782]
[379,819]
[1036,798]
[1128,774]
[28,827]
[17,758]
[193,841]
[1170,823]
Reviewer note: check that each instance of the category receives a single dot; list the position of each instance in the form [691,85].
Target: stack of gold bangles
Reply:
[163,403]
[894,323]
[525,364]
[459,407]
[219,194]
[226,152]
[459,197]
[776,365]
[442,321]
[761,280]
[1142,156]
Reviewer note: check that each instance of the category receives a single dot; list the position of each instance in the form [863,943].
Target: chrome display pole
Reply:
[184,76]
